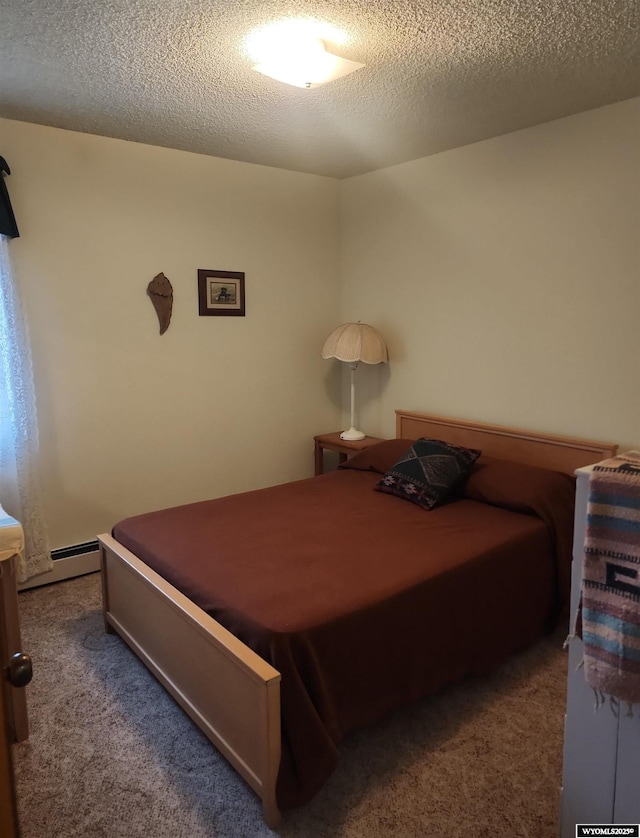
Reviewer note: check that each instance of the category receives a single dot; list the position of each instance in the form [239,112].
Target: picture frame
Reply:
[221,293]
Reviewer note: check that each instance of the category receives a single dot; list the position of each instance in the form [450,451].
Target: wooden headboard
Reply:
[560,453]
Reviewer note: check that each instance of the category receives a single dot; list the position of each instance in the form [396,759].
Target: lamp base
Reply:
[352,434]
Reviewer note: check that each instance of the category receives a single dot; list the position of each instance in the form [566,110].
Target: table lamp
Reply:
[353,343]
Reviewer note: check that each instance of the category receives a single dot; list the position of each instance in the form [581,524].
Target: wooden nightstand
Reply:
[345,447]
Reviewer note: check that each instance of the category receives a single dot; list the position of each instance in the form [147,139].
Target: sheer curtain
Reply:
[20,484]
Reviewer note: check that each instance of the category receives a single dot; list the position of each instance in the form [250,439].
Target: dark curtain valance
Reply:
[8,224]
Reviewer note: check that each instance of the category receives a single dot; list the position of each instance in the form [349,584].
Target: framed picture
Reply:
[221,293]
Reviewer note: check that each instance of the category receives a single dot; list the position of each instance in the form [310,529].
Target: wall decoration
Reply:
[221,293]
[161,294]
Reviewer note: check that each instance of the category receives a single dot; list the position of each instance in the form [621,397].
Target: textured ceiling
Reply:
[439,74]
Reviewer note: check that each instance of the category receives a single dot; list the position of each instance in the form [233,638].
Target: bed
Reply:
[283,618]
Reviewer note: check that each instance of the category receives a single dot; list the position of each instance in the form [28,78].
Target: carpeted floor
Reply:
[110,755]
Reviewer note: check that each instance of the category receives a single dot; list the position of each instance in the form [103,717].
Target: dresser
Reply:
[601,761]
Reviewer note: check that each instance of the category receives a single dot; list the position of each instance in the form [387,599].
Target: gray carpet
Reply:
[110,754]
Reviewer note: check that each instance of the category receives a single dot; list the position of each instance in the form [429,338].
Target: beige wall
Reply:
[131,420]
[506,278]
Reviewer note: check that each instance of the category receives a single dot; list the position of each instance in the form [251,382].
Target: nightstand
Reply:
[345,447]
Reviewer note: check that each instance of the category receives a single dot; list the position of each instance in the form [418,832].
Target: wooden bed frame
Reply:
[230,692]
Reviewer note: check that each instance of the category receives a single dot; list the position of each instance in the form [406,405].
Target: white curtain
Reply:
[20,484]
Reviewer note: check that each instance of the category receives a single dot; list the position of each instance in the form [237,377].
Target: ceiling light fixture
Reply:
[294,52]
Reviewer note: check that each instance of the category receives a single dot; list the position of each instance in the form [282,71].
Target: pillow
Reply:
[514,486]
[531,490]
[428,472]
[379,457]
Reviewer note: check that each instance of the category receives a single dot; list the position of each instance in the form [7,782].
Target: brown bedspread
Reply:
[362,601]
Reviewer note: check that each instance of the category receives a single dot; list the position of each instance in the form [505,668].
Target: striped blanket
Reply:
[610,604]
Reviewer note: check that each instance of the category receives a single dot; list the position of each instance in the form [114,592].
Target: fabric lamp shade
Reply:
[353,343]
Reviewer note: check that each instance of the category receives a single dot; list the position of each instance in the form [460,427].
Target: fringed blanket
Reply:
[610,606]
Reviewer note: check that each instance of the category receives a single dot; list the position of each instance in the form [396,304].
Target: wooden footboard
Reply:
[230,692]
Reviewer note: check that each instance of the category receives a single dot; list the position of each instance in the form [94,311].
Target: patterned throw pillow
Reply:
[428,472]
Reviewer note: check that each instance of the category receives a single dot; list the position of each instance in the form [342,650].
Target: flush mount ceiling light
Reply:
[295,52]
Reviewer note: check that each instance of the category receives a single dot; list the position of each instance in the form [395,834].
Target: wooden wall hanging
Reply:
[161,294]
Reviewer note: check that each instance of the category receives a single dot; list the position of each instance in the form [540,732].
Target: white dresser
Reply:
[601,772]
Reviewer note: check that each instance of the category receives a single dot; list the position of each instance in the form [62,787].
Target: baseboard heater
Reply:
[75,550]
[75,560]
